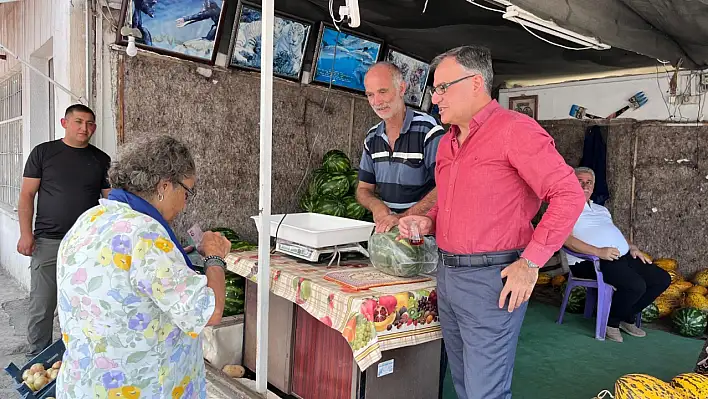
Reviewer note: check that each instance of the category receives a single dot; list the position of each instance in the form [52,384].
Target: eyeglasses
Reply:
[189,192]
[442,87]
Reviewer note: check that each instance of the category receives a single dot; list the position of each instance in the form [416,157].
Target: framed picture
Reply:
[344,57]
[188,29]
[525,104]
[290,38]
[415,74]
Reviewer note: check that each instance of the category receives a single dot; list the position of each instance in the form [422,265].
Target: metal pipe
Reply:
[264,197]
[52,81]
[87,52]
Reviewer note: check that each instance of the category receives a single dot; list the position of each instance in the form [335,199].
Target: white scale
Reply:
[313,236]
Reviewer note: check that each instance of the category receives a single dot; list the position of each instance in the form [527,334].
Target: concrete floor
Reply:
[14,303]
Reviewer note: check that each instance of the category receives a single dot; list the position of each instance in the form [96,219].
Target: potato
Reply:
[30,380]
[52,374]
[37,368]
[31,387]
[26,374]
[56,365]
[234,371]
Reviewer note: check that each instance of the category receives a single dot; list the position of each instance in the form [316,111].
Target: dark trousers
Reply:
[480,338]
[637,285]
[43,294]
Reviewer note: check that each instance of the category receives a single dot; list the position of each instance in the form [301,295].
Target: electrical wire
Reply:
[485,7]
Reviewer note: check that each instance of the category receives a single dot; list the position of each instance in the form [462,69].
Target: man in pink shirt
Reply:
[494,167]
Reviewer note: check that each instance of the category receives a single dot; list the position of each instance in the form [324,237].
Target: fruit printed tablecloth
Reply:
[372,320]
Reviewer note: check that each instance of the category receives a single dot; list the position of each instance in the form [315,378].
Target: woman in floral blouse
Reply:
[130,306]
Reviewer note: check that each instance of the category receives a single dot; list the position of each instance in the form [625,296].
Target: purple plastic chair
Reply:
[596,290]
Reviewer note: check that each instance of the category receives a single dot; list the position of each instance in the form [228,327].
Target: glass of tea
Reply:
[416,238]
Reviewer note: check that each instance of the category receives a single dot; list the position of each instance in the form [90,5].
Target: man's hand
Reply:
[636,253]
[25,245]
[608,253]
[425,224]
[520,280]
[386,223]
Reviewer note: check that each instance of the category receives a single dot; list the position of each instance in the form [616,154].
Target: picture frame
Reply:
[347,55]
[415,74]
[187,29]
[527,105]
[290,41]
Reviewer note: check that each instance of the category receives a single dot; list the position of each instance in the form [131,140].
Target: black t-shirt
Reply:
[71,183]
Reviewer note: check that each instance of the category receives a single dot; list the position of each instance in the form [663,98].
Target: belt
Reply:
[480,260]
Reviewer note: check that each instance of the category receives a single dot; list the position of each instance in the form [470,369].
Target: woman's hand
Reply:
[608,253]
[214,244]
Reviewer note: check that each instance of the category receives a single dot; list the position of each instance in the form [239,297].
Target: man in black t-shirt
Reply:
[70,175]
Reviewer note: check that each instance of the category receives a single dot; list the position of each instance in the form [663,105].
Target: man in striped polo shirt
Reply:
[398,161]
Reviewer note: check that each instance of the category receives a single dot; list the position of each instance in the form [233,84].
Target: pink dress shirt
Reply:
[491,187]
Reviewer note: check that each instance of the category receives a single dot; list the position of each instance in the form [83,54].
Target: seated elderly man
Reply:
[637,281]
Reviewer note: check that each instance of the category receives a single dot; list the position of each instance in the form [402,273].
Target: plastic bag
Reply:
[397,257]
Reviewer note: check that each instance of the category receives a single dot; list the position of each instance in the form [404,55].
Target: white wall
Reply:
[604,96]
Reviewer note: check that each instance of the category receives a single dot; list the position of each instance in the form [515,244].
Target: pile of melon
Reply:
[683,386]
[37,377]
[686,302]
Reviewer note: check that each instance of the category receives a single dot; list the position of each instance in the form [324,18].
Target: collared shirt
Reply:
[405,174]
[491,187]
[595,227]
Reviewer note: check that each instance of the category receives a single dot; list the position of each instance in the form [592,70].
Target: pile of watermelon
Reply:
[332,187]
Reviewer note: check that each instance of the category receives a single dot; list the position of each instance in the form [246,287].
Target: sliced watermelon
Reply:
[689,322]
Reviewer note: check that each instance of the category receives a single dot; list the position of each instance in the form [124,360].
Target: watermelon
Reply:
[576,300]
[353,180]
[327,205]
[333,154]
[319,176]
[235,295]
[689,322]
[337,186]
[228,233]
[307,203]
[336,162]
[650,314]
[353,209]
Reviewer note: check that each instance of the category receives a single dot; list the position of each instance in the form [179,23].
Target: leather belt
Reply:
[480,260]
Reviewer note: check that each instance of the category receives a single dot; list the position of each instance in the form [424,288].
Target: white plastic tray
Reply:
[316,230]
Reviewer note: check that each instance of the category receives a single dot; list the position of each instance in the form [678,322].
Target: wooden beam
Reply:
[612,22]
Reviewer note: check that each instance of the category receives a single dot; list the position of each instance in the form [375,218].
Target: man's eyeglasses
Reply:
[442,87]
[189,192]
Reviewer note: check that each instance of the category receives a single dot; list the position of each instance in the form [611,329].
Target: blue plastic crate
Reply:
[48,357]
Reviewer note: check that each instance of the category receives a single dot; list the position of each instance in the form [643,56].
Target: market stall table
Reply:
[324,346]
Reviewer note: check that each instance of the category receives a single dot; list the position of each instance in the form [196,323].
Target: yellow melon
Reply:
[634,386]
[701,278]
[697,289]
[683,285]
[557,281]
[675,276]
[673,291]
[696,301]
[691,385]
[543,279]
[666,304]
[666,263]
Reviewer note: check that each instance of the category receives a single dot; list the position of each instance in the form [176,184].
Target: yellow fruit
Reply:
[691,385]
[697,289]
[696,301]
[401,299]
[675,276]
[666,263]
[381,325]
[558,281]
[683,285]
[634,386]
[543,279]
[701,278]
[666,305]
[673,291]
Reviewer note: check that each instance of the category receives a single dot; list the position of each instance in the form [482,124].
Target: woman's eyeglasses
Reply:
[188,192]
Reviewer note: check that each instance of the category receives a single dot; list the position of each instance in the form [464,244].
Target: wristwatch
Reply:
[214,260]
[531,264]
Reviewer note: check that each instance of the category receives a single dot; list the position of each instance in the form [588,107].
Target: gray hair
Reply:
[583,169]
[474,59]
[396,73]
[142,163]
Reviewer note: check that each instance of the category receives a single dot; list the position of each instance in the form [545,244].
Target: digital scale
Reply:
[316,238]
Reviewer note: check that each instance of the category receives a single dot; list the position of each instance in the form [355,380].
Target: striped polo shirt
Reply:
[405,174]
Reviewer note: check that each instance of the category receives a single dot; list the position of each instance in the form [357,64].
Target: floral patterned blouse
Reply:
[130,310]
